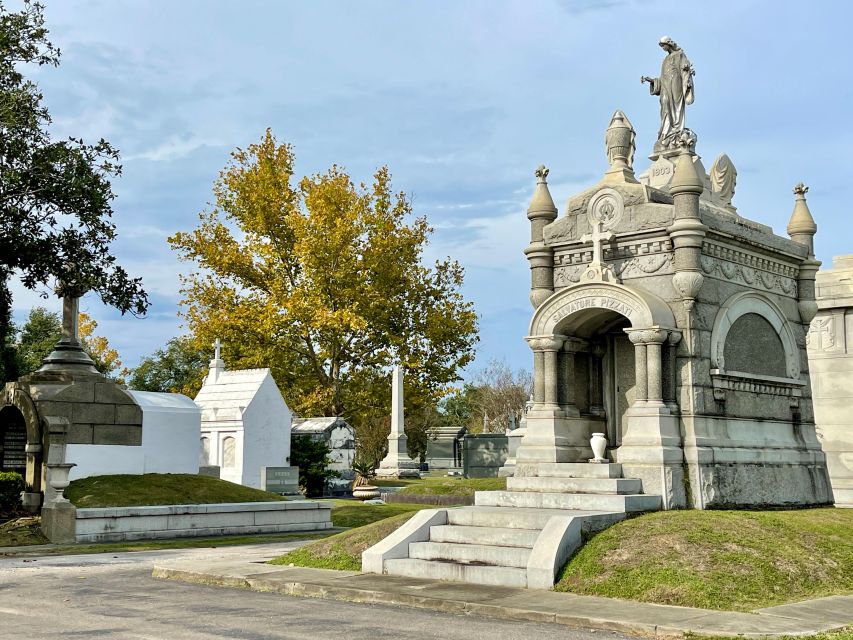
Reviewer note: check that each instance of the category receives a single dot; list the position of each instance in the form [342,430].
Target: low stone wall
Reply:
[193,520]
[438,500]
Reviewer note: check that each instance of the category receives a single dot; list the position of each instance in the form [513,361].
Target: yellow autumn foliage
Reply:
[323,281]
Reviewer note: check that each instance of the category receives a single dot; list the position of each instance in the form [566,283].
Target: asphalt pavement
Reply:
[113,596]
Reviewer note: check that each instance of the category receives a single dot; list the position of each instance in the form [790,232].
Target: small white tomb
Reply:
[245,423]
[170,425]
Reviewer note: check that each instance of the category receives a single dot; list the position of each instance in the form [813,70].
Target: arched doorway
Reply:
[13,440]
[603,354]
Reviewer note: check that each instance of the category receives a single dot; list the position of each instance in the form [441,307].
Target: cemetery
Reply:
[687,445]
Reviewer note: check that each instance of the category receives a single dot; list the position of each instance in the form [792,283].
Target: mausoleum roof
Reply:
[167,402]
[226,397]
[316,425]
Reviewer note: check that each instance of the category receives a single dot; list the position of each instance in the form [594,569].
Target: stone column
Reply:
[568,377]
[551,346]
[640,367]
[596,392]
[538,375]
[670,396]
[654,340]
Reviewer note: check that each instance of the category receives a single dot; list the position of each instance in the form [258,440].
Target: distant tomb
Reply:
[339,436]
[444,448]
[245,423]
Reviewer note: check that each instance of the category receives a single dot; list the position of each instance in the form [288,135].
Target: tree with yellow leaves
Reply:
[324,282]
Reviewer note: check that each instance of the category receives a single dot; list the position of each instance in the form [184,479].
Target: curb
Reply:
[363,596]
[373,596]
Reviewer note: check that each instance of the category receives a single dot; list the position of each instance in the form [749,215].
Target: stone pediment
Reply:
[642,208]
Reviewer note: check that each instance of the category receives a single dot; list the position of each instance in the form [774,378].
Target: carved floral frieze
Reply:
[749,275]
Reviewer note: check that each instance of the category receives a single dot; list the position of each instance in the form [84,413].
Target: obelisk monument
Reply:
[397,464]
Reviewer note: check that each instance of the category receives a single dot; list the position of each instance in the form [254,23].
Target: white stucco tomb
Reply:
[170,444]
[245,423]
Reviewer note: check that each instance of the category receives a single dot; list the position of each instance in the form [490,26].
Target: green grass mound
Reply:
[159,488]
[23,531]
[370,523]
[351,513]
[343,551]
[728,560]
[445,486]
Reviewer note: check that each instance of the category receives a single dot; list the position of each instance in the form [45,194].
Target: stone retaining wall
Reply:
[438,500]
[193,520]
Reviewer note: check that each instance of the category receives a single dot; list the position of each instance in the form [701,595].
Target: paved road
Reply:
[113,596]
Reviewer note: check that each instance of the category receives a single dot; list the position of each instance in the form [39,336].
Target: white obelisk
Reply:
[397,464]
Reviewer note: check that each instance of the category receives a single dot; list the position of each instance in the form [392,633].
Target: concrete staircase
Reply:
[519,537]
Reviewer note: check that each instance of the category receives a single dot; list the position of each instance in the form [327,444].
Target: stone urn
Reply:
[365,492]
[598,442]
[57,478]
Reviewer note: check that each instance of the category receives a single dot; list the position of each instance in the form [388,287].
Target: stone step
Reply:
[585,501]
[579,470]
[576,485]
[523,518]
[456,572]
[497,536]
[470,553]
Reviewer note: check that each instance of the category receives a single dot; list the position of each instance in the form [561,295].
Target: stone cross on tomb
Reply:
[597,269]
[217,349]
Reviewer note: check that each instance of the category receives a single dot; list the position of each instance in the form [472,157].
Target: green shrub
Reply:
[312,458]
[11,486]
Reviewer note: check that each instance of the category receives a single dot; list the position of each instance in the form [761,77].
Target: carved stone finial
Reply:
[723,179]
[541,173]
[802,227]
[619,140]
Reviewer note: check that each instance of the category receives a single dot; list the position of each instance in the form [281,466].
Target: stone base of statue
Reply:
[398,464]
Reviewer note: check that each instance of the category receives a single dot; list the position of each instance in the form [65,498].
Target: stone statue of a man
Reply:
[675,88]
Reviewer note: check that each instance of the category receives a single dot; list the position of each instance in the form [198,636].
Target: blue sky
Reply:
[462,100]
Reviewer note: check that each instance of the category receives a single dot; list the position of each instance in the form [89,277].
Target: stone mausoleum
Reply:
[668,323]
[674,325]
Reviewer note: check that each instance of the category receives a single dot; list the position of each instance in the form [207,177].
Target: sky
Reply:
[461,100]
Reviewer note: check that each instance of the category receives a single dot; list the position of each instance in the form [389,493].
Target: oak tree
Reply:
[55,195]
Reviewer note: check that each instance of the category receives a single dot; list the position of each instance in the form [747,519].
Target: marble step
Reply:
[525,518]
[457,572]
[586,501]
[470,553]
[498,536]
[579,470]
[576,485]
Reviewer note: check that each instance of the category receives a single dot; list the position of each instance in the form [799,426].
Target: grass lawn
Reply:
[159,488]
[728,560]
[343,550]
[840,634]
[447,485]
[352,513]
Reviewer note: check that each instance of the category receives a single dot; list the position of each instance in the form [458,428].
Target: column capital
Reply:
[649,335]
[575,345]
[674,337]
[546,343]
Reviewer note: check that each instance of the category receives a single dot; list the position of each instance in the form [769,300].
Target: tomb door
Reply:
[619,385]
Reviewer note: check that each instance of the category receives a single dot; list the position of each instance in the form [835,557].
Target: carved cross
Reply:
[598,237]
[217,349]
[71,318]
